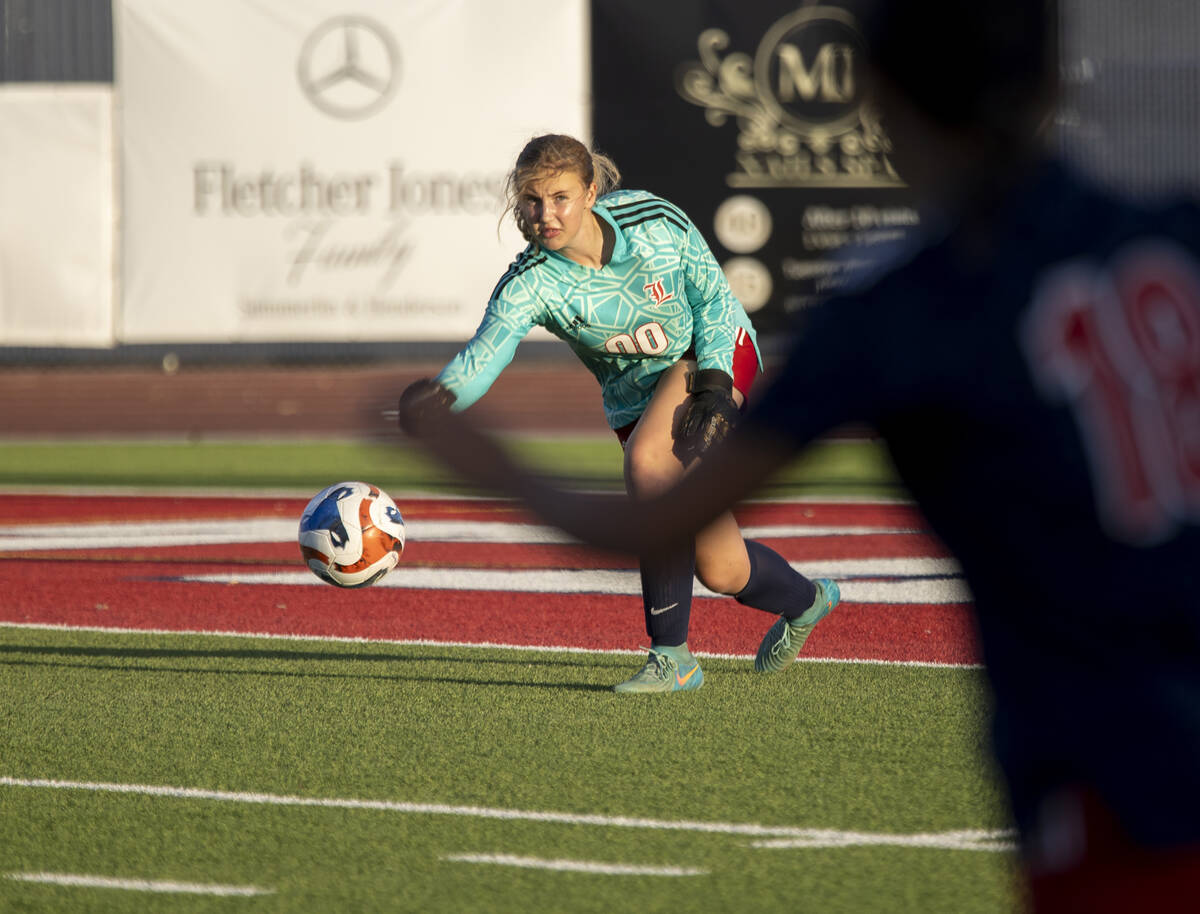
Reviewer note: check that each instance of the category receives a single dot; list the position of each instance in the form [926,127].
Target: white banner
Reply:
[330,170]
[56,215]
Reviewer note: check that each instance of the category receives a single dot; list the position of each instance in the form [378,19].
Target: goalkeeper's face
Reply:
[554,207]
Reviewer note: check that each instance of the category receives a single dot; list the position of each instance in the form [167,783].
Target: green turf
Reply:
[854,747]
[895,750]
[842,465]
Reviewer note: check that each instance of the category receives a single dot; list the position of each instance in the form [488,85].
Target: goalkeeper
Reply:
[627,281]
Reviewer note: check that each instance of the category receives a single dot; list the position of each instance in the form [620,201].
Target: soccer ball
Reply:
[351,534]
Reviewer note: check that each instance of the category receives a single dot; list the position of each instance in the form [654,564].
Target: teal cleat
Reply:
[783,641]
[667,669]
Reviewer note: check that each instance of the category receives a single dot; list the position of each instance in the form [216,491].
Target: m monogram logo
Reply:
[803,88]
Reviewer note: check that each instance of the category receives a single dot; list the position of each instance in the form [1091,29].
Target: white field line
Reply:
[576,866]
[749,830]
[423,642]
[925,580]
[278,530]
[964,840]
[861,581]
[138,885]
[403,498]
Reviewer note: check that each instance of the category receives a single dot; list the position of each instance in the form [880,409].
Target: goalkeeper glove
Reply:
[423,400]
[711,412]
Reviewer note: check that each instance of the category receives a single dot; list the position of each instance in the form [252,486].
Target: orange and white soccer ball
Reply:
[351,534]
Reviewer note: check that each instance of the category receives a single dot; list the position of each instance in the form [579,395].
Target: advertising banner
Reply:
[752,118]
[302,170]
[56,215]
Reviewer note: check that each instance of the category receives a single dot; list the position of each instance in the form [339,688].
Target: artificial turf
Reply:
[852,747]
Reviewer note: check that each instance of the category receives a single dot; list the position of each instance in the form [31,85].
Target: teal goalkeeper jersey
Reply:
[660,294]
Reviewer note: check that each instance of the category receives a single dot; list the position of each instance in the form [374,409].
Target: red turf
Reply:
[139,588]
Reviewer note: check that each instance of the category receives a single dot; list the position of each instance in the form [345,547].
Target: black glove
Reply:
[711,412]
[423,400]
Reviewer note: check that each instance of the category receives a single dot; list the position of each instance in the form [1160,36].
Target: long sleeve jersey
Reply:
[661,293]
[1041,407]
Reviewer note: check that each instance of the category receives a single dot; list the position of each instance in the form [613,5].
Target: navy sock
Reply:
[774,585]
[667,595]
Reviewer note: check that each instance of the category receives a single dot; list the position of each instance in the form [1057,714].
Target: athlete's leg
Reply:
[650,467]
[756,575]
[723,560]
[666,576]
[752,573]
[652,464]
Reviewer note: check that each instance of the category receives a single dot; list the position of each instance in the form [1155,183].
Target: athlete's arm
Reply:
[711,411]
[715,309]
[471,372]
[617,522]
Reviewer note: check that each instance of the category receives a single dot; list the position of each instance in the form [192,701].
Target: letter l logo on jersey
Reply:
[657,293]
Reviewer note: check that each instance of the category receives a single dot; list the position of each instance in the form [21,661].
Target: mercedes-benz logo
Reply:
[349,67]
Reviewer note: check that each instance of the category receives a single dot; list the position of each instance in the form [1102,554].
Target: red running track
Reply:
[141,588]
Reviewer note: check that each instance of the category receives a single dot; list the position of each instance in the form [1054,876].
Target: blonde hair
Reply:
[554,154]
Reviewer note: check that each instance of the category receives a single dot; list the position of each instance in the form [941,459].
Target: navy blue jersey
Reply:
[1038,387]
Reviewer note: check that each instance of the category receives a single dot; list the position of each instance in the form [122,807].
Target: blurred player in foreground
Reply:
[1035,370]
[629,283]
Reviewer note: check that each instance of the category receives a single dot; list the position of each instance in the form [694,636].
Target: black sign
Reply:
[751,117]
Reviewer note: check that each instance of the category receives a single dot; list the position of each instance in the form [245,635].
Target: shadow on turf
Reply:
[285,655]
[277,654]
